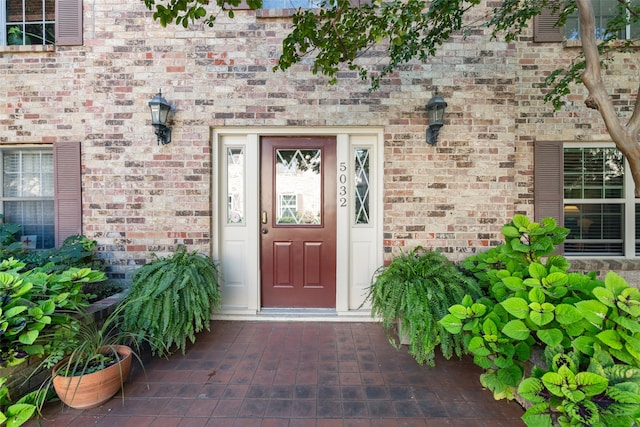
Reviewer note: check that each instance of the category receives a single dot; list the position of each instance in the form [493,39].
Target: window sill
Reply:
[28,48]
[275,13]
[602,265]
[578,43]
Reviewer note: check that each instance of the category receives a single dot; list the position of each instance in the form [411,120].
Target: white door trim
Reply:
[237,245]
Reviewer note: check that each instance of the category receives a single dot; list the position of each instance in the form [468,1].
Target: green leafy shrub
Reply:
[33,305]
[173,298]
[417,288]
[76,251]
[588,330]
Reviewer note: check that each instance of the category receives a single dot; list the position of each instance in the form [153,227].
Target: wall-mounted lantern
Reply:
[159,113]
[435,112]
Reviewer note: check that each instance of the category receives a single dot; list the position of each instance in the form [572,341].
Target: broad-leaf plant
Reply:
[586,329]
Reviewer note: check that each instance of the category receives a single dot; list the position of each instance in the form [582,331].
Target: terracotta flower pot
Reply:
[91,390]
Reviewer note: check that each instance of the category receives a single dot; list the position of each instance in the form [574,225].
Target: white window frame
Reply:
[629,202]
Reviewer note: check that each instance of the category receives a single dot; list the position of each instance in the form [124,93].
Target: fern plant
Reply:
[417,288]
[172,298]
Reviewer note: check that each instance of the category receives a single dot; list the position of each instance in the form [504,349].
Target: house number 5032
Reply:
[342,189]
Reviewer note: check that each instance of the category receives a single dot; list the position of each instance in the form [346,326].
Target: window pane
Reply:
[604,11]
[594,228]
[298,186]
[30,22]
[36,219]
[28,174]
[593,173]
[290,4]
[235,185]
[362,186]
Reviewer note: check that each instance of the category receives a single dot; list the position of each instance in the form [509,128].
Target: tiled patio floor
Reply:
[290,374]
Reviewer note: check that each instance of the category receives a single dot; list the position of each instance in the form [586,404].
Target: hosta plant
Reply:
[172,298]
[417,288]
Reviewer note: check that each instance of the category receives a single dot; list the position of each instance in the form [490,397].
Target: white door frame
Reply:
[237,245]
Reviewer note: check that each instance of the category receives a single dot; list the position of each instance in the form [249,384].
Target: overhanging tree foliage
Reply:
[338,34]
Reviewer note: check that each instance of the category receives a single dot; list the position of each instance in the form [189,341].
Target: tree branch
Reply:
[592,77]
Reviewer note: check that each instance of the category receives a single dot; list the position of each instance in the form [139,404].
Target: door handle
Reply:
[263,217]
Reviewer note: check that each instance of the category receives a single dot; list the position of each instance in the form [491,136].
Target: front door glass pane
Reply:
[235,185]
[298,187]
[362,185]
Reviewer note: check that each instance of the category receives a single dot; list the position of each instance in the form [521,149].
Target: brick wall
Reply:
[140,198]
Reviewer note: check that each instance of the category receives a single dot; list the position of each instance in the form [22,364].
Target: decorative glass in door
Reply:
[298,187]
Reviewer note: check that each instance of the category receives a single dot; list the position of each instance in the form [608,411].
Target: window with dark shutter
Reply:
[69,23]
[548,181]
[545,29]
[67,190]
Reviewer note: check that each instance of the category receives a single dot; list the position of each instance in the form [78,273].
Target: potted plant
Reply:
[414,291]
[172,298]
[98,361]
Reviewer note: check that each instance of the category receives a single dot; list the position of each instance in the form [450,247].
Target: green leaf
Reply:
[537,270]
[541,314]
[554,382]
[28,337]
[584,344]
[538,416]
[459,311]
[593,311]
[611,338]
[511,375]
[517,307]
[536,295]
[531,389]
[605,296]
[489,327]
[551,337]
[629,324]
[510,231]
[477,347]
[19,413]
[14,311]
[514,283]
[591,384]
[451,323]
[516,329]
[567,314]
[522,222]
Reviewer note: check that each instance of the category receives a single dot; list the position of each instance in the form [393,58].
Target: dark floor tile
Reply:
[328,392]
[305,392]
[381,409]
[376,392]
[329,408]
[253,408]
[354,409]
[303,409]
[282,391]
[352,393]
[278,408]
[432,408]
[227,408]
[407,409]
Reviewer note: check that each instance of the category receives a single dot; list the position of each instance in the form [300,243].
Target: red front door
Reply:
[298,222]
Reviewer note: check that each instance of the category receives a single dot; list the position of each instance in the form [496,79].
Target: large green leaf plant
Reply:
[587,329]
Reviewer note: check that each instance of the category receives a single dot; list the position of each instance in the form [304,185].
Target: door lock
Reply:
[263,218]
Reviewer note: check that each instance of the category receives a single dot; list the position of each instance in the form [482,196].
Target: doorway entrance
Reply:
[298,222]
[298,219]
